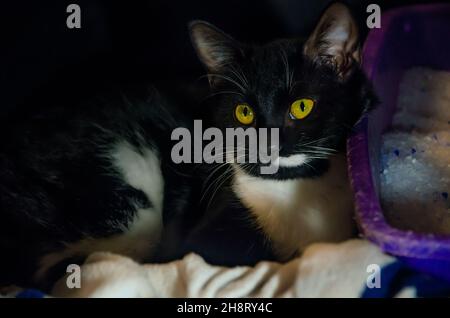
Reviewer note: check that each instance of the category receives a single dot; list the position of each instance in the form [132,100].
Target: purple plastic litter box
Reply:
[409,36]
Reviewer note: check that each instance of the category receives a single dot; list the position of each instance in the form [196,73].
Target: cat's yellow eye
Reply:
[302,108]
[244,114]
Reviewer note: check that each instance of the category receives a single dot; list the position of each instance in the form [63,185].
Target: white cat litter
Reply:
[415,177]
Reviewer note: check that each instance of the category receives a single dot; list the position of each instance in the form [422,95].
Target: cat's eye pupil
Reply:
[244,114]
[302,106]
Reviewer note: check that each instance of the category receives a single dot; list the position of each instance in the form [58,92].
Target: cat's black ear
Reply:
[335,41]
[215,49]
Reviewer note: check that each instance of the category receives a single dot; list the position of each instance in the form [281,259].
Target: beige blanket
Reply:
[324,270]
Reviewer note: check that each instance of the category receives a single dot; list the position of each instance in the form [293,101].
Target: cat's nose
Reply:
[270,139]
[288,142]
[286,150]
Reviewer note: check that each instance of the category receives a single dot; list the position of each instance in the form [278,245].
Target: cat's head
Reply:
[313,91]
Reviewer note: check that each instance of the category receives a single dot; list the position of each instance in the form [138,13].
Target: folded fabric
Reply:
[355,268]
[324,270]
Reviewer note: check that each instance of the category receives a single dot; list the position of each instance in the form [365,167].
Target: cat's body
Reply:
[89,178]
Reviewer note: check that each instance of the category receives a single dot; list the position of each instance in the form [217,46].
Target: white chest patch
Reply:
[142,234]
[295,213]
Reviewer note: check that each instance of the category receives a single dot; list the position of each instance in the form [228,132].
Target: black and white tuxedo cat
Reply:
[313,91]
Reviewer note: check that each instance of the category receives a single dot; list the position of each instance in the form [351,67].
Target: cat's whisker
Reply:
[314,141]
[321,147]
[286,66]
[216,180]
[291,81]
[313,155]
[211,186]
[317,157]
[221,92]
[311,166]
[220,155]
[317,151]
[224,179]
[244,76]
[233,152]
[215,169]
[229,79]
[289,72]
[239,75]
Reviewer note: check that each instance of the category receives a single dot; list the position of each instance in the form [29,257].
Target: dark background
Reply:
[43,62]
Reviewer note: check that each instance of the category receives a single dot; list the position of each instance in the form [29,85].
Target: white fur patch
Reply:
[295,213]
[291,161]
[142,234]
[141,171]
